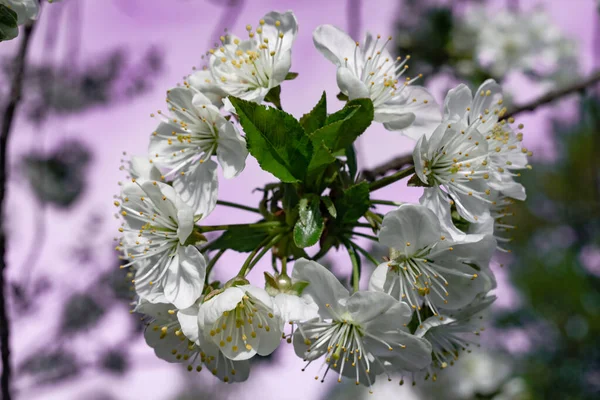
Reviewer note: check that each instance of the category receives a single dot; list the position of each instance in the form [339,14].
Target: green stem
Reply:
[264,251]
[383,182]
[386,202]
[361,225]
[371,237]
[365,253]
[212,263]
[284,266]
[212,228]
[355,266]
[270,242]
[236,205]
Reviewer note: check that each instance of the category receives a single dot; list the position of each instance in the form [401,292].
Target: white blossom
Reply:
[242,321]
[504,40]
[369,71]
[427,268]
[185,143]
[451,332]
[175,335]
[249,68]
[360,335]
[157,226]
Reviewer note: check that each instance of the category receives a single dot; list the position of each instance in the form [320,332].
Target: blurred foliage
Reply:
[81,312]
[560,297]
[52,367]
[115,361]
[60,177]
[63,89]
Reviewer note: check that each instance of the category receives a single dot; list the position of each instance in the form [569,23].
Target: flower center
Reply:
[238,327]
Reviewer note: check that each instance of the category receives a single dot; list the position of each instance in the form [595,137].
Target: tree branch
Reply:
[401,161]
[7,123]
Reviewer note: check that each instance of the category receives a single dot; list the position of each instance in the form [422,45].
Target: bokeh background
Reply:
[98,68]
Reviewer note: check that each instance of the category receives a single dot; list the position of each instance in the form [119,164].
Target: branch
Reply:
[7,123]
[556,95]
[399,162]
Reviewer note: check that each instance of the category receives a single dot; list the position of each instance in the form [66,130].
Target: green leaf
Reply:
[274,96]
[309,227]
[276,140]
[342,97]
[291,76]
[351,161]
[329,205]
[8,18]
[343,127]
[353,204]
[243,240]
[316,118]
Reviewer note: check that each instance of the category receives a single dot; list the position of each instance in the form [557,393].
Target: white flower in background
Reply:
[369,71]
[249,68]
[158,226]
[451,332]
[242,321]
[186,142]
[360,335]
[175,335]
[528,41]
[427,268]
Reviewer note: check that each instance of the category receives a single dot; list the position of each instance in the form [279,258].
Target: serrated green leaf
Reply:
[276,140]
[274,96]
[329,206]
[8,18]
[343,127]
[316,118]
[351,161]
[243,240]
[291,76]
[309,227]
[353,203]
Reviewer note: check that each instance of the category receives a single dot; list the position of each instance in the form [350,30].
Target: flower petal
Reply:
[410,228]
[188,319]
[323,288]
[350,85]
[334,44]
[364,306]
[231,150]
[457,102]
[184,280]
[199,187]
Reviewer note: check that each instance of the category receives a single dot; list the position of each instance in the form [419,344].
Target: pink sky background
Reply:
[181,28]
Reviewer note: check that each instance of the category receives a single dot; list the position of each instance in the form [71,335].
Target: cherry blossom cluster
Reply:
[425,301]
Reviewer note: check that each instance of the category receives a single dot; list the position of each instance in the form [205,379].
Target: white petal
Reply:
[141,168]
[323,288]
[483,100]
[334,44]
[214,308]
[350,85]
[199,187]
[188,319]
[281,68]
[456,103]
[438,202]
[295,308]
[409,228]
[365,306]
[184,280]
[288,25]
[231,150]
[204,82]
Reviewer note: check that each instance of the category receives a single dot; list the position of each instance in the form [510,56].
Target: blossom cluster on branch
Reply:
[424,302]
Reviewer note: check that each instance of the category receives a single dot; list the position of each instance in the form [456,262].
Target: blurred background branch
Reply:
[8,117]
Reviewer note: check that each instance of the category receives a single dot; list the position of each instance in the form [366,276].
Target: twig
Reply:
[406,159]
[7,122]
[556,95]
